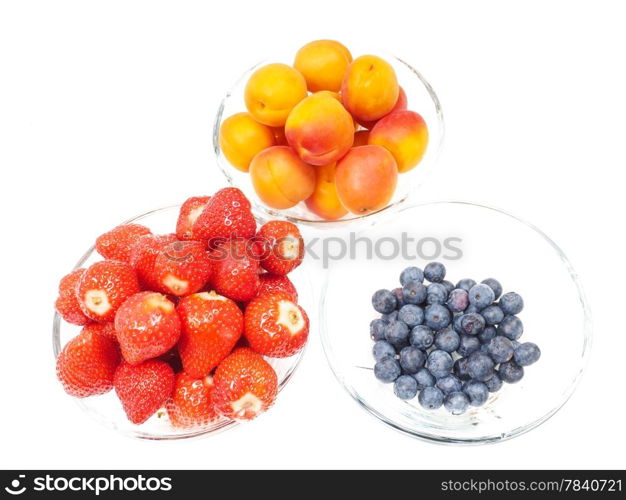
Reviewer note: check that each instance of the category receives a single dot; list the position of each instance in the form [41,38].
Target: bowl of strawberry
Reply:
[166,335]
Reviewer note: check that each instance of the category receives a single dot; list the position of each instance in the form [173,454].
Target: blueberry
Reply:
[526,354]
[500,349]
[492,314]
[494,384]
[399,297]
[384,301]
[439,363]
[466,284]
[460,369]
[511,327]
[471,308]
[487,334]
[495,286]
[436,294]
[424,378]
[388,318]
[437,316]
[411,274]
[383,349]
[480,366]
[458,300]
[411,314]
[412,359]
[387,370]
[435,272]
[422,337]
[510,372]
[476,391]
[405,387]
[449,384]
[414,292]
[377,329]
[481,296]
[472,323]
[447,340]
[448,285]
[456,323]
[397,332]
[430,398]
[468,344]
[456,403]
[511,303]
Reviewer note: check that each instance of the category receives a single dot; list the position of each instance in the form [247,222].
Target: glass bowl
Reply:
[421,98]
[476,242]
[107,410]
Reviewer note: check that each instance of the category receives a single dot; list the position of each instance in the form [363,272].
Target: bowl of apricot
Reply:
[323,138]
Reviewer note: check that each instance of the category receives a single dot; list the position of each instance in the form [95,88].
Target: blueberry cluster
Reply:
[452,344]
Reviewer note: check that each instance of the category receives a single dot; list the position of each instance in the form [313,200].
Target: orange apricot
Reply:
[323,64]
[242,137]
[324,201]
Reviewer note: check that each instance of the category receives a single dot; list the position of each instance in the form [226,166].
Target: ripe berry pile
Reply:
[452,344]
[183,321]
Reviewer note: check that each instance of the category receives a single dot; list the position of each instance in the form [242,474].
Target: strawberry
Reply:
[182,268]
[147,326]
[67,304]
[271,283]
[105,329]
[283,247]
[87,364]
[275,325]
[211,326]
[189,213]
[226,215]
[118,243]
[104,287]
[144,254]
[245,385]
[192,402]
[236,271]
[143,389]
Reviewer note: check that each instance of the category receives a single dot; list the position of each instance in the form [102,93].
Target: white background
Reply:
[105,112]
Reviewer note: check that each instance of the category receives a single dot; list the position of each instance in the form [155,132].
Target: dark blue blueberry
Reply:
[456,323]
[383,349]
[481,296]
[397,333]
[412,359]
[447,340]
[472,323]
[510,372]
[458,300]
[435,272]
[422,337]
[436,294]
[480,366]
[412,315]
[456,403]
[500,349]
[424,378]
[405,387]
[460,369]
[527,353]
[511,327]
[468,344]
[388,318]
[384,301]
[430,398]
[399,297]
[476,391]
[437,316]
[449,384]
[487,334]
[492,314]
[511,303]
[448,285]
[414,292]
[387,370]
[494,384]
[377,329]
[495,286]
[471,308]
[466,284]
[439,363]
[411,274]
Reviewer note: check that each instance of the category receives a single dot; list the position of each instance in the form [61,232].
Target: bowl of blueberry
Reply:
[456,323]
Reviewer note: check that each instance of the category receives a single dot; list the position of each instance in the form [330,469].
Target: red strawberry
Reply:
[182,268]
[212,325]
[87,364]
[236,271]
[104,287]
[271,283]
[67,304]
[144,254]
[143,389]
[147,326]
[283,247]
[226,215]
[189,213]
[275,325]
[105,329]
[192,402]
[245,385]
[118,243]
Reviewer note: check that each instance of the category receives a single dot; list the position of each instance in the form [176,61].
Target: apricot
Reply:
[272,91]
[401,104]
[323,64]
[242,137]
[280,178]
[405,135]
[360,138]
[324,201]
[370,88]
[366,179]
[320,129]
